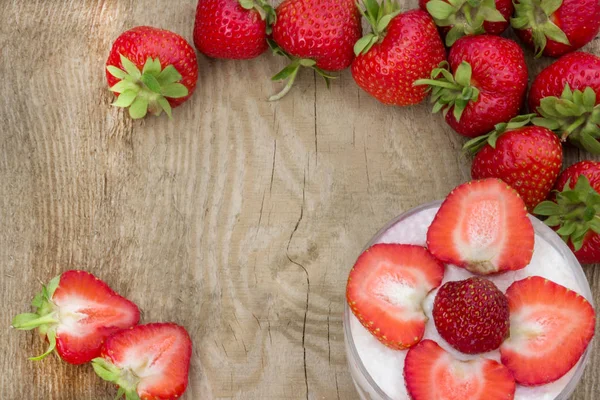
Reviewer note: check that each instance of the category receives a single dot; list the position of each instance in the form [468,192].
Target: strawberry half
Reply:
[76,312]
[550,328]
[482,226]
[386,288]
[432,373]
[149,362]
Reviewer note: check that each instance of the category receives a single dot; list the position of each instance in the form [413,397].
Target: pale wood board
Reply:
[239,219]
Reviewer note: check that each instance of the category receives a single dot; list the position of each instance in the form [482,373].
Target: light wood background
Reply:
[239,219]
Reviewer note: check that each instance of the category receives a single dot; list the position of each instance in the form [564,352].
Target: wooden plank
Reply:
[239,219]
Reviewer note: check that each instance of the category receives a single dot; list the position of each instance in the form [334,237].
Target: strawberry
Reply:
[528,158]
[315,34]
[565,95]
[556,27]
[488,85]
[471,315]
[550,328]
[397,53]
[151,69]
[385,290]
[484,16]
[76,312]
[432,373]
[234,29]
[148,362]
[575,211]
[482,226]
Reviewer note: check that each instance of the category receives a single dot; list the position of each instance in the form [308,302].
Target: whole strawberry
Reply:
[151,69]
[528,158]
[484,16]
[471,315]
[575,211]
[76,312]
[398,52]
[233,29]
[488,85]
[565,95]
[315,34]
[556,27]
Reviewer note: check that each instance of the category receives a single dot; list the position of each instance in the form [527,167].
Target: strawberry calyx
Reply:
[474,145]
[379,17]
[466,17]
[576,211]
[290,72]
[45,318]
[537,15]
[451,92]
[125,378]
[148,89]
[264,9]
[574,115]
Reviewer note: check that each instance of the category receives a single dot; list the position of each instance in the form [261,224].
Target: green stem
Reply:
[46,319]
[432,82]
[288,86]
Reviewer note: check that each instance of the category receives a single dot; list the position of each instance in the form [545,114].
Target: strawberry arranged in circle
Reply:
[471,315]
[550,328]
[565,95]
[484,16]
[575,210]
[528,158]
[315,34]
[233,29]
[151,70]
[432,373]
[484,86]
[76,312]
[482,226]
[556,27]
[385,290]
[148,362]
[398,52]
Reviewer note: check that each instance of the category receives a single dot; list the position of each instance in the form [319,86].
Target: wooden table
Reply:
[238,219]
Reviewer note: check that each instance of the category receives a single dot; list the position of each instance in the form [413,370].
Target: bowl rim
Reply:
[540,229]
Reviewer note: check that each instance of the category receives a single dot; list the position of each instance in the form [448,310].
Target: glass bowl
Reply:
[365,384]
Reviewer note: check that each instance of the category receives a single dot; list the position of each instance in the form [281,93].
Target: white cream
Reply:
[386,365]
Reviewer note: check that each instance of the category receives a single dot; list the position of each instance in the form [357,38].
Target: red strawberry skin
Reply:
[411,49]
[471,315]
[158,353]
[499,72]
[590,251]
[551,326]
[529,159]
[505,7]
[139,43]
[324,31]
[577,69]
[432,373]
[578,19]
[90,311]
[224,29]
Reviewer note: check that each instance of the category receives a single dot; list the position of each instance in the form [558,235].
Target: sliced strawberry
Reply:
[386,288]
[482,226]
[150,361]
[77,312]
[432,373]
[550,328]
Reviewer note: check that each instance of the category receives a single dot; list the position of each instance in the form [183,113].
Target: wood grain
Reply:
[239,219]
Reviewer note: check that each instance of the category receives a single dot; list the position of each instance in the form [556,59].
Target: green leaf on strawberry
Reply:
[266,11]
[379,17]
[476,144]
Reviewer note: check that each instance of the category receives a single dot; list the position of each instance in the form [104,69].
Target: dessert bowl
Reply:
[383,380]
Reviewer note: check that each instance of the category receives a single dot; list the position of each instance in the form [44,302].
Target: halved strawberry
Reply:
[76,312]
[482,226]
[550,328]
[432,373]
[149,362]
[385,290]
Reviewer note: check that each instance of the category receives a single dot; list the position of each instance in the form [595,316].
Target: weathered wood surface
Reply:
[238,219]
